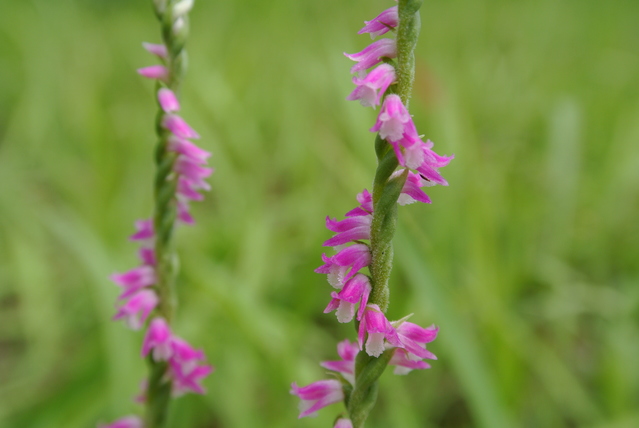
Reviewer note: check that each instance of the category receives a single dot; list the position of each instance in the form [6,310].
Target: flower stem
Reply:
[386,192]
[165,210]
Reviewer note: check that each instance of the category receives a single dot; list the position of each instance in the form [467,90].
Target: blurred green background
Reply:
[528,261]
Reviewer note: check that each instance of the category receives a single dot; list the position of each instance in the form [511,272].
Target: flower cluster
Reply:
[353,270]
[184,371]
[320,394]
[139,294]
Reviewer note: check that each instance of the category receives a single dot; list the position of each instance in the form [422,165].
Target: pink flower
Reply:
[137,309]
[126,422]
[373,54]
[377,327]
[155,49]
[346,366]
[183,213]
[343,423]
[350,259]
[144,231]
[188,150]
[188,380]
[158,72]
[355,291]
[366,205]
[414,338]
[168,101]
[412,192]
[192,172]
[392,119]
[349,229]
[158,339]
[134,280]
[147,255]
[382,23]
[317,395]
[431,162]
[178,126]
[406,362]
[370,89]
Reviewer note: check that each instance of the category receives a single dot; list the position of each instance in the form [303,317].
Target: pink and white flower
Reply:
[157,72]
[356,290]
[158,339]
[392,119]
[349,229]
[346,263]
[382,23]
[412,192]
[134,280]
[346,366]
[373,54]
[137,309]
[377,328]
[343,423]
[370,88]
[317,395]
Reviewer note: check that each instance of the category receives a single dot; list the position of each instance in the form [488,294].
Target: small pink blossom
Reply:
[414,338]
[382,23]
[392,119]
[350,259]
[373,54]
[406,362]
[346,366]
[377,327]
[192,172]
[134,280]
[126,422]
[188,380]
[147,255]
[178,126]
[137,309]
[158,72]
[158,339]
[365,200]
[156,49]
[370,89]
[144,231]
[349,229]
[183,213]
[168,101]
[188,150]
[317,395]
[356,290]
[343,423]
[412,192]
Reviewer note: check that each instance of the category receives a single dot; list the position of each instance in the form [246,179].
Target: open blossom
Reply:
[317,395]
[137,309]
[158,339]
[188,380]
[349,229]
[370,88]
[373,54]
[346,263]
[412,192]
[375,325]
[382,23]
[392,119]
[343,423]
[134,280]
[126,422]
[365,207]
[346,366]
[355,291]
[144,231]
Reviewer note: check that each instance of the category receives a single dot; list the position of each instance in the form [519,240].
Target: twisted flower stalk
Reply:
[405,165]
[148,290]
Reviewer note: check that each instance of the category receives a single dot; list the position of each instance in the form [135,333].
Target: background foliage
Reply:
[528,262]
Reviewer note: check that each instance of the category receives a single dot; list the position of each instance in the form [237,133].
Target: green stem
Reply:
[165,210]
[386,192]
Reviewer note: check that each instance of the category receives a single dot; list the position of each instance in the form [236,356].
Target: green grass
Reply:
[528,262]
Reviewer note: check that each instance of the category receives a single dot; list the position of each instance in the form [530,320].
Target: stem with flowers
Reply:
[148,290]
[363,239]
